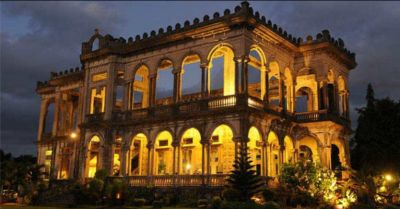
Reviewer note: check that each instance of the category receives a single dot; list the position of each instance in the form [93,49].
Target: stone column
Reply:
[56,113]
[123,157]
[42,118]
[127,95]
[281,154]
[244,74]
[263,164]
[175,169]
[110,91]
[204,80]
[237,61]
[152,87]
[266,86]
[347,105]
[177,84]
[318,101]
[325,95]
[150,154]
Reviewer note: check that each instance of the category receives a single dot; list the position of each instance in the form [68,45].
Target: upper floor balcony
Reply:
[195,105]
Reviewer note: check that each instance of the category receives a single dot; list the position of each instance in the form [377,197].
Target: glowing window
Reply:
[99,77]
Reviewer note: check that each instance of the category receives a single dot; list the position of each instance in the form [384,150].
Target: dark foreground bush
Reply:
[231,194]
[139,202]
[361,206]
[271,205]
[240,205]
[157,204]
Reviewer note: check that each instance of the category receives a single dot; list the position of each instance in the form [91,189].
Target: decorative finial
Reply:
[245,3]
[96,31]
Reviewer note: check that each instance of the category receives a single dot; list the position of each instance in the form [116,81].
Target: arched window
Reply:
[256,81]
[191,154]
[254,147]
[304,100]
[95,44]
[273,154]
[221,71]
[48,125]
[165,83]
[137,163]
[163,154]
[191,77]
[140,98]
[93,156]
[222,150]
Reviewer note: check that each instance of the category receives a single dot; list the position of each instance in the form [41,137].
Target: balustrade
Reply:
[195,104]
[215,180]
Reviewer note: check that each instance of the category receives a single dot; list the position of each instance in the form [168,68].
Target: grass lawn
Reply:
[86,207]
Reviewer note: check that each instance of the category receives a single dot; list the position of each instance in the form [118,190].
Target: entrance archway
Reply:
[163,154]
[191,155]
[254,149]
[138,154]
[222,152]
[93,156]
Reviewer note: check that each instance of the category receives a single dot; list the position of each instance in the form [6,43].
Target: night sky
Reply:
[40,37]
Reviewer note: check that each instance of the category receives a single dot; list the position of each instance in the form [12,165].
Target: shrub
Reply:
[390,207]
[361,206]
[138,202]
[268,195]
[231,194]
[271,205]
[157,204]
[216,202]
[101,174]
[240,205]
[202,203]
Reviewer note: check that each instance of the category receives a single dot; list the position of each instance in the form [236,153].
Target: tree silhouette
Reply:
[243,178]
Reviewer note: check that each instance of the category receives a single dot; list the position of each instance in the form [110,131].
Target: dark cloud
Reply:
[39,37]
[50,43]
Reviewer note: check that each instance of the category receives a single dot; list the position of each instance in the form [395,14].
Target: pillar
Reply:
[263,162]
[177,84]
[110,91]
[237,75]
[244,75]
[325,95]
[56,113]
[152,88]
[281,154]
[124,163]
[150,150]
[42,118]
[204,79]
[266,86]
[127,96]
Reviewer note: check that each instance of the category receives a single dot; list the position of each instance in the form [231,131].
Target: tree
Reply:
[243,179]
[376,144]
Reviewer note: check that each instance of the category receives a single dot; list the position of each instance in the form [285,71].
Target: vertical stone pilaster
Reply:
[177,84]
[204,80]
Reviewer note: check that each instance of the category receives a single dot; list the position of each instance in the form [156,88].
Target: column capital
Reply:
[204,65]
[177,70]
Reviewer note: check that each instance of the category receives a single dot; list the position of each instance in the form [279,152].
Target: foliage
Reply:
[268,195]
[20,174]
[243,178]
[376,144]
[271,205]
[240,205]
[216,202]
[138,202]
[101,174]
[309,184]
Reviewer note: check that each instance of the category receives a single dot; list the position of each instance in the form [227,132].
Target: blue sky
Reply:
[40,37]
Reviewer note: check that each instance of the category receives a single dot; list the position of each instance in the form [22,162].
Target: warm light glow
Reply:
[188,166]
[388,177]
[118,196]
[73,135]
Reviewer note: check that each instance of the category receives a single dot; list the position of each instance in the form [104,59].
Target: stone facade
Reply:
[284,98]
